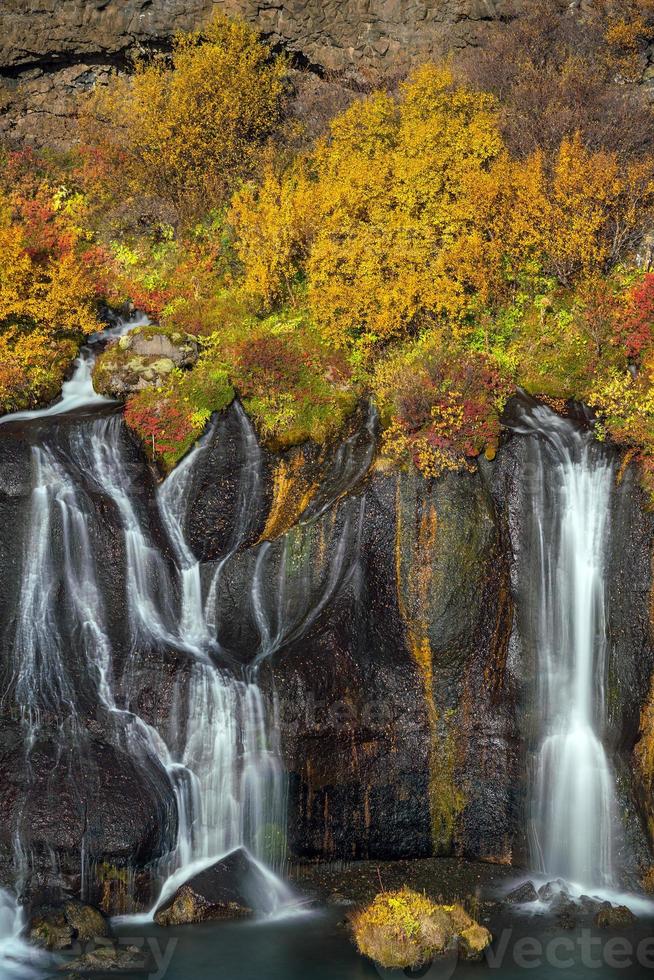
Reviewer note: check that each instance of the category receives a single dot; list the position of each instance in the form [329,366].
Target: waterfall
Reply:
[219,747]
[78,392]
[18,960]
[572,786]
[236,794]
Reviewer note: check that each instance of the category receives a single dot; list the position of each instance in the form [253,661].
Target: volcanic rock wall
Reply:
[54,51]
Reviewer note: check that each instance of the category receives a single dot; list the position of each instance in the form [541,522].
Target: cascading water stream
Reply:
[237,789]
[18,960]
[572,786]
[218,750]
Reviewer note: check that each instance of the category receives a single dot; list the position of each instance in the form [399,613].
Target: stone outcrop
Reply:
[336,34]
[53,52]
[59,927]
[142,359]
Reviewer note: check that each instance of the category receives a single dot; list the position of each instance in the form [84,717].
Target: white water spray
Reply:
[219,749]
[573,794]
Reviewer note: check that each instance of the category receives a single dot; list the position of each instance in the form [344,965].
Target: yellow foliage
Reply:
[54,293]
[274,225]
[188,134]
[572,223]
[390,178]
[413,217]
[45,304]
[627,37]
[403,929]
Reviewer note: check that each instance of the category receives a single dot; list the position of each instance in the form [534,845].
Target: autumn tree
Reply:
[390,183]
[571,221]
[188,131]
[274,222]
[51,279]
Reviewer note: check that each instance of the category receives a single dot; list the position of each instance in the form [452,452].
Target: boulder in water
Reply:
[523,893]
[473,941]
[590,905]
[337,900]
[87,922]
[614,917]
[49,929]
[58,927]
[404,930]
[552,889]
[110,958]
[565,911]
[228,889]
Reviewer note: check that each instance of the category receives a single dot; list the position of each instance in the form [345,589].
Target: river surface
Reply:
[316,947]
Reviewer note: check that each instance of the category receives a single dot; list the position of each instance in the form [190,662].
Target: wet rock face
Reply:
[95,801]
[354,728]
[380,610]
[631,665]
[393,705]
[376,605]
[71,790]
[631,646]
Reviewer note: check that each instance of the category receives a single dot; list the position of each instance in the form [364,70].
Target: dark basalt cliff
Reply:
[53,52]
[333,34]
[382,606]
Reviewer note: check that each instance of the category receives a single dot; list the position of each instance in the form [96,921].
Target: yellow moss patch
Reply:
[626,461]
[647,881]
[292,493]
[644,751]
[446,800]
[473,941]
[644,763]
[403,929]
[414,588]
[116,889]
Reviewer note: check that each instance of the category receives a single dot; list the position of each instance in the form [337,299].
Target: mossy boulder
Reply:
[110,958]
[87,922]
[614,917]
[50,930]
[142,359]
[405,930]
[473,941]
[58,927]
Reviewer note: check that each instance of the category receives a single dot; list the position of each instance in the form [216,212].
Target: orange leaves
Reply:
[574,220]
[48,296]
